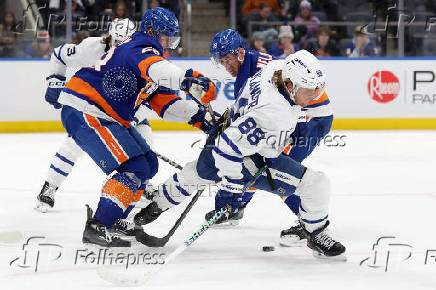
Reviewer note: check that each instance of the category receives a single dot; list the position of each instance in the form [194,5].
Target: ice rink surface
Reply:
[383,209]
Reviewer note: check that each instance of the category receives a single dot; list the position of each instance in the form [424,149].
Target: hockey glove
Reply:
[200,87]
[55,84]
[229,195]
[202,120]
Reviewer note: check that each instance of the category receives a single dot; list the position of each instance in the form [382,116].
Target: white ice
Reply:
[383,185]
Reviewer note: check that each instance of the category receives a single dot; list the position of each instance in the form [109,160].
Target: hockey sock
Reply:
[63,162]
[117,194]
[135,200]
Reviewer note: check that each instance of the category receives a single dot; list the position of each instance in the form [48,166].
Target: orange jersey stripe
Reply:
[80,86]
[287,149]
[119,191]
[108,139]
[159,101]
[146,63]
[323,98]
[137,195]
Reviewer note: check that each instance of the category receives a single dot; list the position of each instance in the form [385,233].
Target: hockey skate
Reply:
[146,197]
[323,245]
[147,214]
[95,233]
[46,198]
[124,227]
[231,219]
[293,237]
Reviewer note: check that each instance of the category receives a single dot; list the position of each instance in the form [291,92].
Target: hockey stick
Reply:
[137,280]
[169,161]
[152,241]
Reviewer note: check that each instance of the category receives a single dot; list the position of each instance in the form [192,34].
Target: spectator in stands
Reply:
[153,4]
[284,46]
[323,46]
[263,15]
[41,47]
[254,6]
[172,5]
[305,16]
[258,42]
[361,45]
[120,10]
[8,35]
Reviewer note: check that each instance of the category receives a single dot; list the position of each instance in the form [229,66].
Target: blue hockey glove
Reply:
[202,120]
[55,84]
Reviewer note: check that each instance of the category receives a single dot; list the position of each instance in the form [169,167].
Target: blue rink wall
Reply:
[375,93]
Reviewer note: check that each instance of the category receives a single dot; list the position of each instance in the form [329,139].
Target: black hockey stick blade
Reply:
[155,242]
[149,240]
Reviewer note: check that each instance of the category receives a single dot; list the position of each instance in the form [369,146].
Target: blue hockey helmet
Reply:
[164,24]
[225,42]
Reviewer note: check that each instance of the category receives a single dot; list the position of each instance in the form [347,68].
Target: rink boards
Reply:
[376,93]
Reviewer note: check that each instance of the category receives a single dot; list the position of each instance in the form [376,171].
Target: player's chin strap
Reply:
[292,93]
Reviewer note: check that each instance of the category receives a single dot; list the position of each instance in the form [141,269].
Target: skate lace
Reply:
[108,236]
[324,239]
[49,191]
[125,224]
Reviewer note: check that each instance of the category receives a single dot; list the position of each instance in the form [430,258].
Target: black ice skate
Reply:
[124,227]
[293,237]
[147,196]
[46,197]
[148,214]
[95,233]
[231,219]
[323,245]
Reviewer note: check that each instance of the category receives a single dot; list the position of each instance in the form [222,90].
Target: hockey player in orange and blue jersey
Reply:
[227,49]
[99,105]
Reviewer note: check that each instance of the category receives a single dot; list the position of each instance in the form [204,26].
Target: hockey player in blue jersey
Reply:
[269,105]
[227,49]
[100,103]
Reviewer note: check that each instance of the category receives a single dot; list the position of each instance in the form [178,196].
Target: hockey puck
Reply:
[268,248]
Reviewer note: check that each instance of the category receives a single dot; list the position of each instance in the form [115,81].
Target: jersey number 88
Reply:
[256,135]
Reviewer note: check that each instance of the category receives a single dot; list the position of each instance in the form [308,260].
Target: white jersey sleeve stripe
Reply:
[58,56]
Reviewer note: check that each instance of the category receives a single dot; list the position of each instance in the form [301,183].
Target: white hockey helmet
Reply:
[120,29]
[304,70]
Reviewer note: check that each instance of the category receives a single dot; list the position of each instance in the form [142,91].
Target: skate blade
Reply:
[338,258]
[42,207]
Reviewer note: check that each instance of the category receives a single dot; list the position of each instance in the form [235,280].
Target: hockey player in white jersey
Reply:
[255,135]
[64,62]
